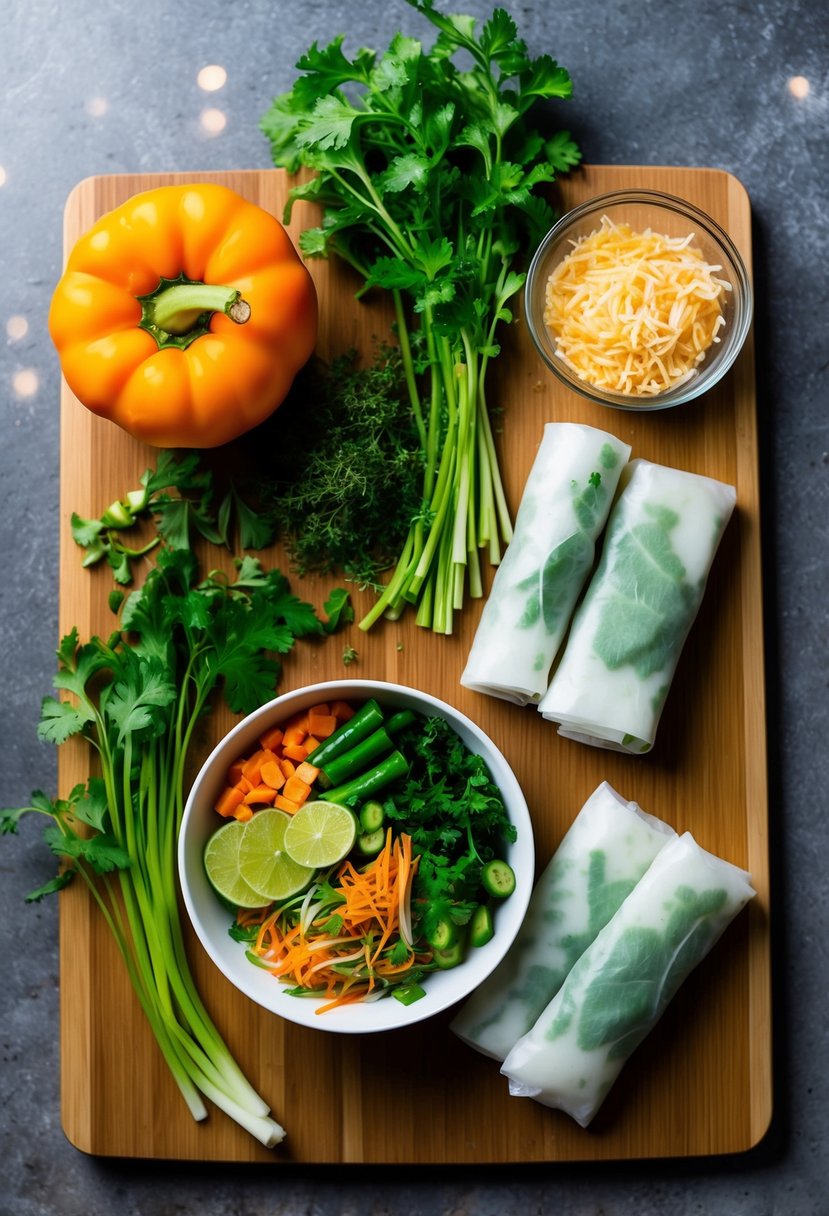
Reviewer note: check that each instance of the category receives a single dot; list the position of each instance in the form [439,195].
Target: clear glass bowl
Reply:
[668,216]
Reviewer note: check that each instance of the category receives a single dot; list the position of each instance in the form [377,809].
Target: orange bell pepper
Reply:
[184,315]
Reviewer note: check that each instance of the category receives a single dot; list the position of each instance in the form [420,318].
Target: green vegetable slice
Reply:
[498,878]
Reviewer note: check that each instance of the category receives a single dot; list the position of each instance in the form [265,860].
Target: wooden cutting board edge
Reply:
[77,984]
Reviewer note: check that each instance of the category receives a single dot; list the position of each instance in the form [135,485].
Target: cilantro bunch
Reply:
[137,698]
[425,164]
[456,817]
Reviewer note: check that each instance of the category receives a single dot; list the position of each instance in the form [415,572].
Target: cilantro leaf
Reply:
[136,700]
[91,806]
[102,853]
[51,887]
[59,720]
[328,125]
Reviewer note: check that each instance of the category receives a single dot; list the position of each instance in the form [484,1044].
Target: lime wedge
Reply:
[263,862]
[320,834]
[221,862]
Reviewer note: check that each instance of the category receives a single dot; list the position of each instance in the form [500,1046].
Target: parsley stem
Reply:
[408,368]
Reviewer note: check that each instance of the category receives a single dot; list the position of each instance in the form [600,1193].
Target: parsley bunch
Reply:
[426,171]
[138,698]
[456,817]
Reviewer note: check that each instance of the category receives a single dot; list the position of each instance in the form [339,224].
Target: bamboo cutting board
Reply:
[701,1084]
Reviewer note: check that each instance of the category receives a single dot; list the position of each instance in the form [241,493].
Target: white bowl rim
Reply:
[210,920]
[690,389]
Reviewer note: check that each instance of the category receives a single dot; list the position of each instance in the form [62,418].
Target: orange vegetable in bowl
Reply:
[184,315]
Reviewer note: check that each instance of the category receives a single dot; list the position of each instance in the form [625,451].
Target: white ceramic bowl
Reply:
[211,920]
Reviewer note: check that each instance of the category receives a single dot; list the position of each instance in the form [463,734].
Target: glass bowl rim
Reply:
[743,301]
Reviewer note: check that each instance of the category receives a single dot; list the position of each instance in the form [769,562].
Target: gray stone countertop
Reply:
[745,87]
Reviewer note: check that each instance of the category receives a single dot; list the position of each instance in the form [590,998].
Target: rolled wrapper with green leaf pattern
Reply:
[614,675]
[623,982]
[607,849]
[563,509]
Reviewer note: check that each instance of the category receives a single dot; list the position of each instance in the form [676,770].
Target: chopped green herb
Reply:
[456,818]
[425,164]
[344,501]
[178,497]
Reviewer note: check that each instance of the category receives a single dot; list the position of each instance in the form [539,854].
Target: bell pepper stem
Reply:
[177,309]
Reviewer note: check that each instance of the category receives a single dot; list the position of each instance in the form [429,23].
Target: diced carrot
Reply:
[288,767]
[235,772]
[342,711]
[228,801]
[296,789]
[271,774]
[243,813]
[321,725]
[294,734]
[297,722]
[319,709]
[252,766]
[260,793]
[244,785]
[309,744]
[286,804]
[295,751]
[307,772]
[271,739]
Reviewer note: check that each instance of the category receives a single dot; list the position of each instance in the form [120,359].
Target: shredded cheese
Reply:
[634,312]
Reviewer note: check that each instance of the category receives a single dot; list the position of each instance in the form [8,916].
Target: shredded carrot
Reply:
[345,951]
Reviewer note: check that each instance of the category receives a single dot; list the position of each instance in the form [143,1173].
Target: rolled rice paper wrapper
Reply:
[621,985]
[607,849]
[614,675]
[563,509]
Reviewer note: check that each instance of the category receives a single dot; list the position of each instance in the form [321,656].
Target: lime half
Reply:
[263,862]
[221,862]
[320,834]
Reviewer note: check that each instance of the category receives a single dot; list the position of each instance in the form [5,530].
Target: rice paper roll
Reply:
[563,509]
[621,985]
[614,675]
[605,852]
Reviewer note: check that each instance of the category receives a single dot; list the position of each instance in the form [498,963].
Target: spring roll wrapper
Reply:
[614,675]
[621,985]
[563,509]
[607,849]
